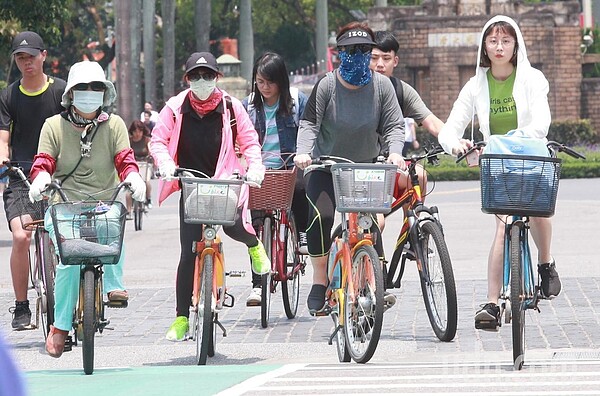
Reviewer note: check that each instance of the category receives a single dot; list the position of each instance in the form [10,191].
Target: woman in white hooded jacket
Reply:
[506,93]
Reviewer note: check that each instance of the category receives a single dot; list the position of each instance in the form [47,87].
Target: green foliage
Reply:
[572,168]
[573,132]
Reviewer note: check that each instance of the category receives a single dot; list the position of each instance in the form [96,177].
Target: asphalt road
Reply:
[135,352]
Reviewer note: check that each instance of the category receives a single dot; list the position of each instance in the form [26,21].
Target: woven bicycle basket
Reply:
[276,191]
[364,187]
[518,184]
[31,213]
[210,201]
[89,232]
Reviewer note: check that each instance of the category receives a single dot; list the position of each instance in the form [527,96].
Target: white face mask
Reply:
[88,101]
[202,89]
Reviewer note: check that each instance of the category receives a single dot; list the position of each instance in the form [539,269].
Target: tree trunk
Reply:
[246,39]
[149,52]
[168,17]
[322,36]
[202,25]
[123,11]
[135,79]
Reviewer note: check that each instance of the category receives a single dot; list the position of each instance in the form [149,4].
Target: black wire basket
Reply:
[519,185]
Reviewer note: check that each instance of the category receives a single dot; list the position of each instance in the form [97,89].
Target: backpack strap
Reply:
[295,99]
[397,83]
[233,124]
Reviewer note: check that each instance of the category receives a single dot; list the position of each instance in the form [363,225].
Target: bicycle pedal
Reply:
[117,304]
[487,325]
[325,311]
[30,326]
[68,344]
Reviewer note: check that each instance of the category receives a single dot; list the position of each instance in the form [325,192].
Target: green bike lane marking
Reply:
[163,380]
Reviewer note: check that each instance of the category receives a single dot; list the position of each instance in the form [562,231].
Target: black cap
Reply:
[355,36]
[201,59]
[28,42]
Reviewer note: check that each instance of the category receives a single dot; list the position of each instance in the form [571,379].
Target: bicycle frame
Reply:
[213,247]
[531,297]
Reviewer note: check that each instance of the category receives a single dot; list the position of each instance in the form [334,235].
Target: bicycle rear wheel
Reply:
[437,282]
[47,268]
[517,297]
[363,314]
[203,322]
[138,215]
[90,321]
[266,279]
[290,288]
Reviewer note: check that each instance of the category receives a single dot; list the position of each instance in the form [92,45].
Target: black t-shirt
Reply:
[23,115]
[200,139]
[140,148]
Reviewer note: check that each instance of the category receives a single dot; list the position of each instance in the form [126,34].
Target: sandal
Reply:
[118,295]
[55,343]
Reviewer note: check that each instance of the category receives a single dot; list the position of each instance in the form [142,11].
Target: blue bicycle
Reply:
[519,186]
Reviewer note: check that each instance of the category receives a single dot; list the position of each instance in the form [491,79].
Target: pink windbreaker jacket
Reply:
[165,140]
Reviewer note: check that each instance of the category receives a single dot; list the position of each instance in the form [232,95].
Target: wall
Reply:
[439,41]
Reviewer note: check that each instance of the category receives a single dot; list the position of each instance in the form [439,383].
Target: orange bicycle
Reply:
[213,203]
[355,291]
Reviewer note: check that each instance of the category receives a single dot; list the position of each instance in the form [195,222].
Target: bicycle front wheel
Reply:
[437,282]
[363,313]
[517,297]
[48,274]
[290,288]
[204,316]
[90,321]
[266,279]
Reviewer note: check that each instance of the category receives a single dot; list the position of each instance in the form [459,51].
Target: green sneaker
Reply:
[178,329]
[260,262]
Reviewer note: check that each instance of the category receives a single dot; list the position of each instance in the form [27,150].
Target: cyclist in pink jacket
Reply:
[198,129]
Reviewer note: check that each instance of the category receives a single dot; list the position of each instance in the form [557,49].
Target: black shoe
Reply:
[21,315]
[488,317]
[551,285]
[316,299]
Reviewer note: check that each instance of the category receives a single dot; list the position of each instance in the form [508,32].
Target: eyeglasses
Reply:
[205,76]
[352,49]
[264,83]
[493,42]
[97,86]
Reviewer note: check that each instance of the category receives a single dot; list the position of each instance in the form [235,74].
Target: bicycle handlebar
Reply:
[552,145]
[55,186]
[476,146]
[562,148]
[187,172]
[14,170]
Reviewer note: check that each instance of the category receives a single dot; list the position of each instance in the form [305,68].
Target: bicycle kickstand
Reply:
[332,336]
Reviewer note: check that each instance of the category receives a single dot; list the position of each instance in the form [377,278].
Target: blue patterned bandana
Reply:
[354,68]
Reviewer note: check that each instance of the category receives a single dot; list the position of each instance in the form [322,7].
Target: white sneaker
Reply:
[254,298]
[302,243]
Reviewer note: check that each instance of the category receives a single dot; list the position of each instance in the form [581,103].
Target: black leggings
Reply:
[188,233]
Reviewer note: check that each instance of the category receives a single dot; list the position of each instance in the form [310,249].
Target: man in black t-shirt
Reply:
[24,106]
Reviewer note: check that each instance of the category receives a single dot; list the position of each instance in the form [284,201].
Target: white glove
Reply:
[138,186]
[38,185]
[255,176]
[167,170]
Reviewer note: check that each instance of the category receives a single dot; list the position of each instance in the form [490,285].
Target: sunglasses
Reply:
[97,86]
[205,76]
[352,49]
